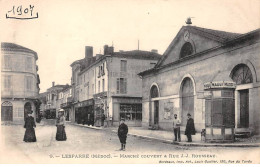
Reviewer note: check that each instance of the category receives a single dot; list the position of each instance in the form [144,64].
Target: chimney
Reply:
[98,56]
[53,84]
[88,52]
[154,50]
[110,50]
[105,49]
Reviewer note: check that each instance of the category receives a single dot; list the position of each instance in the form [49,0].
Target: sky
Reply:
[65,27]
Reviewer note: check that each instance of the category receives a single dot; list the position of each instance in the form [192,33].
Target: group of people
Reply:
[29,125]
[122,132]
[189,131]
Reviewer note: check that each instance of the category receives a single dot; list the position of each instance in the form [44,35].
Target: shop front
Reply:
[128,108]
[84,112]
[67,110]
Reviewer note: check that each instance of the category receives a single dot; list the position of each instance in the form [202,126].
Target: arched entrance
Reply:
[154,92]
[187,99]
[27,108]
[7,111]
[241,75]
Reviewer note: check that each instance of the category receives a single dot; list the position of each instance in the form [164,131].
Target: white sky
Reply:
[65,27]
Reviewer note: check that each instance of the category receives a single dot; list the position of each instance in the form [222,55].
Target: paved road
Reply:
[92,143]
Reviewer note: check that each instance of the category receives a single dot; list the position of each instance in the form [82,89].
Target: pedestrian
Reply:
[122,133]
[29,125]
[60,123]
[190,128]
[176,128]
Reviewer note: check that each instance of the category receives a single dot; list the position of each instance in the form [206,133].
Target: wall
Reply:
[203,69]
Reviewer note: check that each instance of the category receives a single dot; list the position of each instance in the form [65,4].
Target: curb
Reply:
[176,143]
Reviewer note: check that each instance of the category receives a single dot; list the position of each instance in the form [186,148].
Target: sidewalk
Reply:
[167,137]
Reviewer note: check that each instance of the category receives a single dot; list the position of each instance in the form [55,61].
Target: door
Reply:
[187,100]
[6,113]
[244,108]
[156,112]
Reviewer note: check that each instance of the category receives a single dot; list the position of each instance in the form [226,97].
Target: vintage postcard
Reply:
[130,82]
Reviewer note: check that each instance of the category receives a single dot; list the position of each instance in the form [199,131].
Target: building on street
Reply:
[20,83]
[211,74]
[53,100]
[106,87]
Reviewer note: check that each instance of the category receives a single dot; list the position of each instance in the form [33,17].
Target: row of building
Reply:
[211,74]
[104,88]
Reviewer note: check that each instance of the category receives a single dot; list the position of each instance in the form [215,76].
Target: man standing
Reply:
[190,128]
[122,133]
[176,128]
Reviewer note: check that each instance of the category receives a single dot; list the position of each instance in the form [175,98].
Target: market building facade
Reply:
[210,74]
[20,83]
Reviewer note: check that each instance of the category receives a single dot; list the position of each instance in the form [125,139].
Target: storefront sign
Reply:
[85,103]
[102,94]
[125,100]
[216,85]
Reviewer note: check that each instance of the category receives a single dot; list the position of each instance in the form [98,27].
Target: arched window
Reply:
[187,99]
[241,74]
[186,50]
[154,91]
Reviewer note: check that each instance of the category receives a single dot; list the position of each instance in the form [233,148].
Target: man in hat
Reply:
[190,128]
[122,133]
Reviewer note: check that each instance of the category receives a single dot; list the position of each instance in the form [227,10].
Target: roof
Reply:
[15,47]
[226,38]
[217,35]
[138,54]
[134,54]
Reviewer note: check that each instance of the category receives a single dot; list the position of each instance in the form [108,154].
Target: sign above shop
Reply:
[85,103]
[221,84]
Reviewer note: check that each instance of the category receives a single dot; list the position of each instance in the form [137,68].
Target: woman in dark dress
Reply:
[122,133]
[60,123]
[190,128]
[29,125]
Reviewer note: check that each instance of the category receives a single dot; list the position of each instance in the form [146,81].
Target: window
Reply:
[103,85]
[7,82]
[241,74]
[123,65]
[29,63]
[131,112]
[103,69]
[7,62]
[154,92]
[152,65]
[93,88]
[98,86]
[121,85]
[186,50]
[29,84]
[88,91]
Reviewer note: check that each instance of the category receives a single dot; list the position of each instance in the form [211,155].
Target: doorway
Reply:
[244,108]
[7,111]
[156,112]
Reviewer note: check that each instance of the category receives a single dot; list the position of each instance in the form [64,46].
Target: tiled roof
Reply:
[12,46]
[138,54]
[220,36]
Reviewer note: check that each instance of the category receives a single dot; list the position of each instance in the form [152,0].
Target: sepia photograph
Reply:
[164,82]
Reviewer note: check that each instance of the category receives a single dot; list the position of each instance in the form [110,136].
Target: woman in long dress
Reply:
[60,123]
[29,125]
